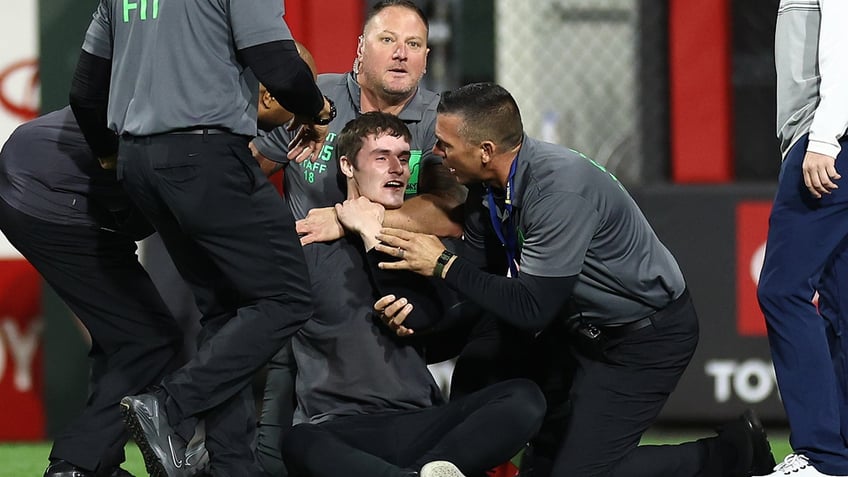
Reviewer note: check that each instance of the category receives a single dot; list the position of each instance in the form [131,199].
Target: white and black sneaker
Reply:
[440,468]
[797,465]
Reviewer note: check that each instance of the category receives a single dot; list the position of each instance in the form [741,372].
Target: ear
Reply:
[346,167]
[359,47]
[266,99]
[487,149]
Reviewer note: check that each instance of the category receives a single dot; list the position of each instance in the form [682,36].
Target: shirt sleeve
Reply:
[421,291]
[274,145]
[98,37]
[257,21]
[526,301]
[558,230]
[831,117]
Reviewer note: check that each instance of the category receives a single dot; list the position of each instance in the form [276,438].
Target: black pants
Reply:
[476,432]
[278,405]
[481,363]
[233,241]
[614,399]
[135,340]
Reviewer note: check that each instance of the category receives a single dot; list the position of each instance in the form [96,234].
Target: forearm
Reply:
[89,100]
[288,78]
[427,213]
[527,302]
[268,166]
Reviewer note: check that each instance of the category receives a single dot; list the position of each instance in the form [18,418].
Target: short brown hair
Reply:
[375,123]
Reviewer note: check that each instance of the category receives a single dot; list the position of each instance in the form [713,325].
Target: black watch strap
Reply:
[325,121]
[441,262]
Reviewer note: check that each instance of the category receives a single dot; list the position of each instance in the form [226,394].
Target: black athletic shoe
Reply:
[762,461]
[164,451]
[62,468]
[753,451]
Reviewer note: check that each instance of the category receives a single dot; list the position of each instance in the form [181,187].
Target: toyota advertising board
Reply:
[718,234]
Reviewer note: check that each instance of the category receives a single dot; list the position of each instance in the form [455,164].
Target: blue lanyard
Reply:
[505,229]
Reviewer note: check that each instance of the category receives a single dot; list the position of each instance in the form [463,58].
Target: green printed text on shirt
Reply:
[414,169]
[596,164]
[143,8]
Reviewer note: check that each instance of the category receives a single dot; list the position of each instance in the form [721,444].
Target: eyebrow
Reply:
[389,151]
[413,37]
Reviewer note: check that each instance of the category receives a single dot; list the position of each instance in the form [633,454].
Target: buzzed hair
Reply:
[488,112]
[380,6]
[374,123]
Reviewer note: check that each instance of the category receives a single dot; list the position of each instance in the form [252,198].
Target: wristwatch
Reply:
[441,262]
[325,121]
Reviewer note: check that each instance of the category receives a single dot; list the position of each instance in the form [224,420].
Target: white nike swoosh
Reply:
[177,463]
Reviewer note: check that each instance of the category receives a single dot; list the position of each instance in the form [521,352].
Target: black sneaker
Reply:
[114,472]
[163,450]
[753,451]
[196,455]
[762,462]
[61,468]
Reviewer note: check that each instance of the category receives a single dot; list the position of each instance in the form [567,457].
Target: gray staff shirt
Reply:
[348,362]
[316,184]
[174,62]
[47,171]
[575,218]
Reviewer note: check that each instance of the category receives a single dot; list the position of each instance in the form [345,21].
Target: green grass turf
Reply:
[30,460]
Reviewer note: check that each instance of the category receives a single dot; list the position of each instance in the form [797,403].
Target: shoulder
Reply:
[332,80]
[429,99]
[334,86]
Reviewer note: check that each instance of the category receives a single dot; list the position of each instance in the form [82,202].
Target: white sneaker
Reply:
[440,468]
[797,465]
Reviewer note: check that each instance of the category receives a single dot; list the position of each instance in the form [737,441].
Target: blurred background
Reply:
[675,97]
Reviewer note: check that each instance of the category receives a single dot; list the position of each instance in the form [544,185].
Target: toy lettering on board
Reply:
[751,381]
[20,345]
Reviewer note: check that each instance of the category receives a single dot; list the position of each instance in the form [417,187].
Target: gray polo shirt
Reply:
[348,362]
[48,171]
[174,62]
[575,218]
[316,184]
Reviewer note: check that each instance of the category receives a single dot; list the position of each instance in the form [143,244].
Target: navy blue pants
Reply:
[805,254]
[233,240]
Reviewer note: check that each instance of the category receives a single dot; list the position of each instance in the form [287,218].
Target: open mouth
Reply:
[394,185]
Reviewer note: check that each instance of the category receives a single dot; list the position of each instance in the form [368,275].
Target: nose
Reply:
[438,151]
[400,52]
[395,167]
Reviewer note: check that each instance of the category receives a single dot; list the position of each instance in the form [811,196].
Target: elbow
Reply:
[450,229]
